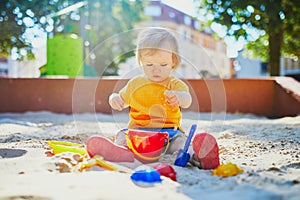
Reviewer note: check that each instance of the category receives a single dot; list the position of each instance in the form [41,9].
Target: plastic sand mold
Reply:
[145,176]
[226,170]
[63,146]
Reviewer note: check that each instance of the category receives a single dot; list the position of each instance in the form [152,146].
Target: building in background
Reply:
[249,67]
[202,54]
[254,68]
[290,67]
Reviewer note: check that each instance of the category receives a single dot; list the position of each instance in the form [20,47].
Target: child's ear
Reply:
[174,61]
[173,64]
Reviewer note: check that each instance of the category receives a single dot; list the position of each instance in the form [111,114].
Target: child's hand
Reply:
[178,98]
[116,102]
[171,98]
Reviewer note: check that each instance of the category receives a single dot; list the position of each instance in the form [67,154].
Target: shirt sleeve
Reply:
[127,90]
[125,93]
[178,85]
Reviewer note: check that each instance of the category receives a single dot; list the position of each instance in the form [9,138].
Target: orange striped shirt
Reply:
[148,108]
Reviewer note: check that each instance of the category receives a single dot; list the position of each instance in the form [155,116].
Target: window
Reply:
[197,25]
[187,20]
[263,67]
[153,11]
[172,15]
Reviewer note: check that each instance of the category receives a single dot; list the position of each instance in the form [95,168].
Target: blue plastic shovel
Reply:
[183,156]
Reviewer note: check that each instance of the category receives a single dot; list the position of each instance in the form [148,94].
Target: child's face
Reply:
[157,66]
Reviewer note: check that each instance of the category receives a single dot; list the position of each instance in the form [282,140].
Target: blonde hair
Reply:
[153,39]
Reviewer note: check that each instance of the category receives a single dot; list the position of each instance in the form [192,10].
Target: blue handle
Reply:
[189,138]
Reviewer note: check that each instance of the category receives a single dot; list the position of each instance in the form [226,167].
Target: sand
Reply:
[268,150]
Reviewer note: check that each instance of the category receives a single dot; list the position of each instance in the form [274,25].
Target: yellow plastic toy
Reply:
[98,161]
[63,146]
[226,170]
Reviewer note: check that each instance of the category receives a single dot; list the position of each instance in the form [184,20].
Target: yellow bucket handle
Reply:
[130,146]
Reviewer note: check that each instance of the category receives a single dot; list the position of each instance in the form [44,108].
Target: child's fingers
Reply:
[171,98]
[174,104]
[172,101]
[117,105]
[120,106]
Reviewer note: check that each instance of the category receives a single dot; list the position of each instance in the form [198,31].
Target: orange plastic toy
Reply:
[226,170]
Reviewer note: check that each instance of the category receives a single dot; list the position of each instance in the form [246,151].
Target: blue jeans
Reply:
[171,131]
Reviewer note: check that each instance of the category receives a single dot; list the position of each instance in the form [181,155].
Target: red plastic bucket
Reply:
[147,146]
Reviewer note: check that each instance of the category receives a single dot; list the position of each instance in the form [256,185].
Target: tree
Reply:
[277,21]
[96,21]
[107,20]
[17,17]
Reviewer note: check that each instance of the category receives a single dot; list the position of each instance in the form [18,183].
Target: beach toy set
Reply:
[147,147]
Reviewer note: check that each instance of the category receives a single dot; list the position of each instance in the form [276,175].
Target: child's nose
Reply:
[156,67]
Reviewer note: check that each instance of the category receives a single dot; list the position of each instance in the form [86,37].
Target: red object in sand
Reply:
[207,150]
[166,170]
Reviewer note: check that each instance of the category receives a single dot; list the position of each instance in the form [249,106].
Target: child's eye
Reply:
[151,65]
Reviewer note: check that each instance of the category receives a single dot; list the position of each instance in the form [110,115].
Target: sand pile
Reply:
[268,151]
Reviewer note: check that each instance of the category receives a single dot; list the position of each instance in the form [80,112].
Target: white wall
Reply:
[249,68]
[28,68]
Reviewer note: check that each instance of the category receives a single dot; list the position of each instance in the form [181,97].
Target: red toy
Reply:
[166,170]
